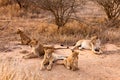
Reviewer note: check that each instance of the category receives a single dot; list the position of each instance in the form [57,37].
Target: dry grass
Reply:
[48,32]
[11,70]
[111,35]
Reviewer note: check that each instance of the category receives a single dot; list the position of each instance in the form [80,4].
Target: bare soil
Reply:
[91,66]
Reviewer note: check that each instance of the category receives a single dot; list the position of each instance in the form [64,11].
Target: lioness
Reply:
[25,40]
[92,44]
[50,58]
[38,50]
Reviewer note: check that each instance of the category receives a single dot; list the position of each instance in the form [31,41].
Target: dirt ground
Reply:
[91,66]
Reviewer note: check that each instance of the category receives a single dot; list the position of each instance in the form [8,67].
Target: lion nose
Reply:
[97,49]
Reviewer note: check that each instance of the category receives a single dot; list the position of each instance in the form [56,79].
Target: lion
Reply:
[71,61]
[50,58]
[38,50]
[25,40]
[92,44]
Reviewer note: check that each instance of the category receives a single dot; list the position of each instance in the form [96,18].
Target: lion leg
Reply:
[28,56]
[23,42]
[92,48]
[68,65]
[75,66]
[81,48]
[65,63]
[49,67]
[101,51]
[43,64]
[26,42]
[98,52]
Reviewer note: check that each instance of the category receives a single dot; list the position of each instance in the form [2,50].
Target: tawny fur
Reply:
[25,40]
[37,50]
[71,62]
[93,44]
[49,58]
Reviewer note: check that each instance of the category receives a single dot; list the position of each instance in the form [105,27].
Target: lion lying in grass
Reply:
[50,58]
[92,44]
[38,50]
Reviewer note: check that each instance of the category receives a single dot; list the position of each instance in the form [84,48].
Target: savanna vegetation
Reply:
[59,22]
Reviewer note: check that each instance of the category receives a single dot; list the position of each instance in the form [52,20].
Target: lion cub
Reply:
[37,50]
[71,62]
[48,59]
[92,44]
[25,40]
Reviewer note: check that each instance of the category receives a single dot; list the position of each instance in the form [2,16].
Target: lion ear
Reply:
[94,37]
